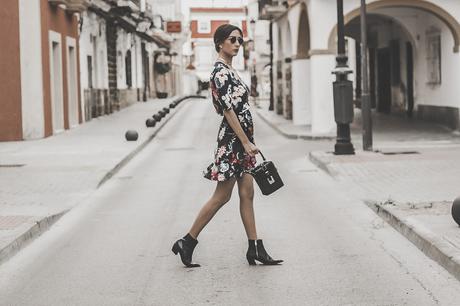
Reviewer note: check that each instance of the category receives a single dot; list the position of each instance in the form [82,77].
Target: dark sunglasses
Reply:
[234,38]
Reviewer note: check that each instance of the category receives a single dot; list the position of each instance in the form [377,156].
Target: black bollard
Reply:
[150,122]
[456,210]
[131,135]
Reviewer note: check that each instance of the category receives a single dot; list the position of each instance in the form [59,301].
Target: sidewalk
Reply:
[410,180]
[412,192]
[43,179]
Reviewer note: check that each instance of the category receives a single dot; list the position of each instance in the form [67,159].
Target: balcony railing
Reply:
[72,6]
[132,5]
[269,9]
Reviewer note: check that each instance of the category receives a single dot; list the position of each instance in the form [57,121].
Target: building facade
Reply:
[64,62]
[203,23]
[413,48]
[40,67]
[119,41]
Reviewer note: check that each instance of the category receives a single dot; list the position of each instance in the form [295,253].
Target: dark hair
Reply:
[223,32]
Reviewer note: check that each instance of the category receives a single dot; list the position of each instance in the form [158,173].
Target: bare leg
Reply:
[221,196]
[246,193]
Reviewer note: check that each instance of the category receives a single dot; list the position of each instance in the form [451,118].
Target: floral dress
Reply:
[230,158]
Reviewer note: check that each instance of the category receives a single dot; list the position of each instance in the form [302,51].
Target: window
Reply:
[395,63]
[204,26]
[433,56]
[129,81]
[90,71]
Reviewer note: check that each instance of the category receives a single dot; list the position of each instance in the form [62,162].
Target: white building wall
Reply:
[321,93]
[137,63]
[322,22]
[33,119]
[123,45]
[301,99]
[93,26]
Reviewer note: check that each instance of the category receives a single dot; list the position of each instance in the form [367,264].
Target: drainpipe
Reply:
[272,99]
[365,97]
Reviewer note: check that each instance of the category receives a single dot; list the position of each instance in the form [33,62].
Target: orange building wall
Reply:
[10,72]
[214,25]
[58,20]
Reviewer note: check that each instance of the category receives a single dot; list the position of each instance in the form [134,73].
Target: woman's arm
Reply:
[234,123]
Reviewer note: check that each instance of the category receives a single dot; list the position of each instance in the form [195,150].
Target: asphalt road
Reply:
[116,248]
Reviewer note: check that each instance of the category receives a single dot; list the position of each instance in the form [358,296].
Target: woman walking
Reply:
[235,153]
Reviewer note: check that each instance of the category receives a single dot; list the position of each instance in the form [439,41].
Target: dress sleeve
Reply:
[223,86]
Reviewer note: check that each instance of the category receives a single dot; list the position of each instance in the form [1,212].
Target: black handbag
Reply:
[266,176]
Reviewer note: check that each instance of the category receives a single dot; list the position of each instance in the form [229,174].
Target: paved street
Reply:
[114,249]
[43,179]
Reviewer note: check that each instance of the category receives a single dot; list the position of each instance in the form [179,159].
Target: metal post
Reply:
[272,98]
[365,97]
[343,91]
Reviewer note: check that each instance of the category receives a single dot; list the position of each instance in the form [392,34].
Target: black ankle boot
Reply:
[258,252]
[185,247]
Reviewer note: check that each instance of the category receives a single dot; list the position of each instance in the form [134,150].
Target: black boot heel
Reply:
[184,247]
[175,248]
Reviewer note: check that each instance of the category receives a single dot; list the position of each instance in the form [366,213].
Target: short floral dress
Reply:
[230,158]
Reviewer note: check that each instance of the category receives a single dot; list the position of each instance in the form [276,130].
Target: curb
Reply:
[316,158]
[44,224]
[136,151]
[27,237]
[292,136]
[433,246]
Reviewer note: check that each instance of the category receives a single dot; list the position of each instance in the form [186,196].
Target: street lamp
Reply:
[272,97]
[343,91]
[365,97]
[253,93]
[252,26]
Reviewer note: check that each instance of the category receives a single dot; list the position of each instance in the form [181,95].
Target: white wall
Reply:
[93,26]
[301,103]
[33,119]
[127,41]
[321,93]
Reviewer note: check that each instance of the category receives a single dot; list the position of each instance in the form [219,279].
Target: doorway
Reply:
[72,82]
[410,79]
[56,82]
[384,80]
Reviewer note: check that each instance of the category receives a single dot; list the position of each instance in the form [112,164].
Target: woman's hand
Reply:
[251,149]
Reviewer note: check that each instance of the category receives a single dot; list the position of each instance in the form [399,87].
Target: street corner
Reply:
[322,160]
[428,225]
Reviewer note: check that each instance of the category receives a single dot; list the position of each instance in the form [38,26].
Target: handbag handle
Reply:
[263,157]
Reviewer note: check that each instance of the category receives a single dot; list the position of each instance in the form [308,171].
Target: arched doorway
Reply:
[390,63]
[412,47]
[303,38]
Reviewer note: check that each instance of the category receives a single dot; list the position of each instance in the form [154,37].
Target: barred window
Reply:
[433,56]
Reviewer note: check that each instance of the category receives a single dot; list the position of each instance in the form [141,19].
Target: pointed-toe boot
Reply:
[258,252]
[185,247]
